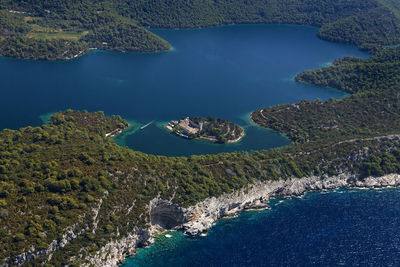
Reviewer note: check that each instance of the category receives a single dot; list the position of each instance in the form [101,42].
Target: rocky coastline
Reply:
[199,218]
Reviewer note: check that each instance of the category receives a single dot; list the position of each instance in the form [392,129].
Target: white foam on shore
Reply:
[325,64]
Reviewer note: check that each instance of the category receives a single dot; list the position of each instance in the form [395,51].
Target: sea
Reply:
[224,72]
[335,228]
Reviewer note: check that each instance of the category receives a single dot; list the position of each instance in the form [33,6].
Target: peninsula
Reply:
[210,129]
[58,30]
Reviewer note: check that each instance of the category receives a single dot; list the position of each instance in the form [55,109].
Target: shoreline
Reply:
[198,219]
[87,52]
[172,48]
[212,139]
[118,131]
[237,139]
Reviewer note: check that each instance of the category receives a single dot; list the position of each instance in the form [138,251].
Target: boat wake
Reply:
[144,126]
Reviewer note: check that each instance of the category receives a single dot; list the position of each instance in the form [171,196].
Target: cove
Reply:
[335,228]
[224,72]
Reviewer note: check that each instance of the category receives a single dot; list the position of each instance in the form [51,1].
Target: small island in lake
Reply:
[209,129]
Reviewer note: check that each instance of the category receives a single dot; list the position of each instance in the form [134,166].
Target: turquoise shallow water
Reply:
[223,72]
[337,228]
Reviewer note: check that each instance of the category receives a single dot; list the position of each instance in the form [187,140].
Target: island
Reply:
[210,129]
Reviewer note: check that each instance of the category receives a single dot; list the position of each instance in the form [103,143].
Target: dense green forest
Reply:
[53,177]
[222,130]
[118,25]
[381,71]
[373,109]
[68,34]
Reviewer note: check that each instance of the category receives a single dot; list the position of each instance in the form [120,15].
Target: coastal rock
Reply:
[56,244]
[204,214]
[197,219]
[166,214]
[115,252]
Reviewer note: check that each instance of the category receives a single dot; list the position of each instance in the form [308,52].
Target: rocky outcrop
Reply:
[166,215]
[71,233]
[204,214]
[55,245]
[115,252]
[198,219]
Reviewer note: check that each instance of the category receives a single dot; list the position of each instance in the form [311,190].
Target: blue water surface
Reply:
[224,72]
[338,228]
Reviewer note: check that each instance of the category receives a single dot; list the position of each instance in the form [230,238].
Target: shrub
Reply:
[19,237]
[57,186]
[63,203]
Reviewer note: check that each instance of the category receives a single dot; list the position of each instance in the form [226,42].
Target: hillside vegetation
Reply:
[373,109]
[67,177]
[118,25]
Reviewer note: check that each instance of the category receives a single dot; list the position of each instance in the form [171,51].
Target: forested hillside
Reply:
[66,189]
[68,26]
[373,109]
[354,75]
[61,31]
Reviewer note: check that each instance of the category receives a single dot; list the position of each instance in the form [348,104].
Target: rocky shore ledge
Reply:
[198,219]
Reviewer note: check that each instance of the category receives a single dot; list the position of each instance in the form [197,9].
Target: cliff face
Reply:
[166,215]
[114,253]
[199,218]
[204,214]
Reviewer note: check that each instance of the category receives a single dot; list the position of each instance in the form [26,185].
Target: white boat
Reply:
[168,236]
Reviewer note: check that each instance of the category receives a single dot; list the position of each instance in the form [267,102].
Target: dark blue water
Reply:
[346,228]
[224,72]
